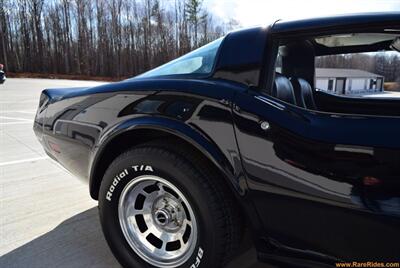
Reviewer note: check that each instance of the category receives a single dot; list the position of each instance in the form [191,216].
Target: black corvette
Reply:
[238,135]
[2,77]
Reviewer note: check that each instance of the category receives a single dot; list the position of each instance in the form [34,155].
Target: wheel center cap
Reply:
[162,217]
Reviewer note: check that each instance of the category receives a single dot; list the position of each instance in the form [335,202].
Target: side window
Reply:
[366,74]
[199,61]
[355,73]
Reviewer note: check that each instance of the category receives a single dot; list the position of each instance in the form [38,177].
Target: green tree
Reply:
[195,16]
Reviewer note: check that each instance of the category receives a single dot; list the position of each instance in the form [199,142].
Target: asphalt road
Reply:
[47,218]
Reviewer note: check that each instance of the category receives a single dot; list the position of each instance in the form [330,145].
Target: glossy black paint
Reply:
[241,56]
[338,22]
[309,174]
[315,186]
[92,120]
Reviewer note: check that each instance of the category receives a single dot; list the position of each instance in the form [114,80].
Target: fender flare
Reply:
[170,126]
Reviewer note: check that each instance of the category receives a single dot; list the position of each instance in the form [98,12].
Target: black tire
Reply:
[218,221]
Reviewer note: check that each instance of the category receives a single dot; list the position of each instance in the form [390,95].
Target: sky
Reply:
[262,12]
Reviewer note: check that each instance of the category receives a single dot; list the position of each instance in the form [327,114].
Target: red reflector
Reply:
[55,147]
[370,181]
[296,164]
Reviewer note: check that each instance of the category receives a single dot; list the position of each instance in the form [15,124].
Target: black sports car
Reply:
[243,133]
[2,77]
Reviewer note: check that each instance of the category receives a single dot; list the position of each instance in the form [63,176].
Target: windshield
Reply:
[199,61]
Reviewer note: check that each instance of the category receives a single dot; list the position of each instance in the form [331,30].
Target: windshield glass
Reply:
[199,61]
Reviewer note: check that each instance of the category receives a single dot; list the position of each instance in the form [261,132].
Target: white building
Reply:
[348,81]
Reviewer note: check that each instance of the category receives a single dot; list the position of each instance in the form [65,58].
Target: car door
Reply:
[322,182]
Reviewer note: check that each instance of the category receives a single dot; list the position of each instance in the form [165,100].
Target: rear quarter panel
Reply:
[77,126]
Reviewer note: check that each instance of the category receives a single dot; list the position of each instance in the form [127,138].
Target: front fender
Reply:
[177,128]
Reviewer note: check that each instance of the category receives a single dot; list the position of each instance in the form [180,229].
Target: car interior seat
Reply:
[303,93]
[283,89]
[298,62]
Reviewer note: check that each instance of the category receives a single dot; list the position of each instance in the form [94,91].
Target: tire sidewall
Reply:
[137,164]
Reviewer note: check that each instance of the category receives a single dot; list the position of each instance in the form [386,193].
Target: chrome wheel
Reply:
[157,221]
